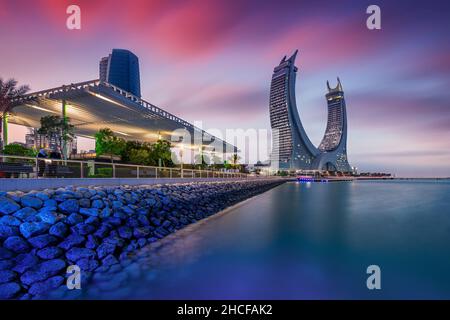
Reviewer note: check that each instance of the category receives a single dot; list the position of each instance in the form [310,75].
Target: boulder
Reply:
[105,249]
[7,276]
[43,287]
[74,219]
[76,254]
[9,290]
[10,221]
[59,230]
[25,213]
[97,204]
[32,202]
[49,253]
[109,261]
[24,262]
[83,229]
[43,271]
[93,212]
[42,241]
[16,244]
[72,241]
[86,264]
[8,206]
[69,206]
[30,229]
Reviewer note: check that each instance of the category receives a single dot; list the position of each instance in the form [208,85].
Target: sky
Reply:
[212,60]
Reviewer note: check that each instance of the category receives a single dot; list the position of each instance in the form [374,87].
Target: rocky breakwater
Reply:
[97,228]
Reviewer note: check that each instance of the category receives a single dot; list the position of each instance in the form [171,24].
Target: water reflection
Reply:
[304,241]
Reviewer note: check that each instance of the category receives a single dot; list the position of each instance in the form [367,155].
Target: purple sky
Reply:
[212,60]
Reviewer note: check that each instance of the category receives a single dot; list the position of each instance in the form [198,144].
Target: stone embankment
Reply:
[98,228]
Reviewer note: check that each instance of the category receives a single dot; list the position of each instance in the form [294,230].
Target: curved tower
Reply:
[292,148]
[333,148]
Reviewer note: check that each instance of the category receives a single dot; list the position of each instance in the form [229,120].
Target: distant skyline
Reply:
[213,60]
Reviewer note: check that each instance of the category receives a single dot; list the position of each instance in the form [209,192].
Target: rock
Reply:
[109,260]
[44,287]
[117,204]
[8,206]
[91,242]
[76,254]
[142,242]
[74,219]
[25,262]
[166,224]
[72,241]
[97,204]
[43,271]
[143,220]
[127,210]
[89,212]
[42,241]
[106,212]
[85,203]
[16,244]
[49,253]
[32,202]
[7,276]
[47,216]
[141,232]
[25,213]
[102,232]
[92,220]
[30,229]
[69,206]
[105,249]
[6,264]
[50,203]
[10,221]
[125,232]
[59,230]
[42,195]
[88,264]
[9,290]
[83,229]
[8,231]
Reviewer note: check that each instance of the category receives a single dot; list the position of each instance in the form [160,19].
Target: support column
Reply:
[64,133]
[5,128]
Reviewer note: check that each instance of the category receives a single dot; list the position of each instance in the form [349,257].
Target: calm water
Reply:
[304,241]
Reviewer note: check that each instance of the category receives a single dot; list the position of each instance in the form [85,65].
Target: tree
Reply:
[107,143]
[8,91]
[161,153]
[56,128]
[16,149]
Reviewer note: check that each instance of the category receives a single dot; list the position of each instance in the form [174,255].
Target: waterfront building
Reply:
[121,68]
[292,148]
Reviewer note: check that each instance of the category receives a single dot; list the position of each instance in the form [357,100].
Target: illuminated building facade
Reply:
[292,149]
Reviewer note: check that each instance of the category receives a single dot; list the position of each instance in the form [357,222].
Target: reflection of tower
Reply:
[292,148]
[121,68]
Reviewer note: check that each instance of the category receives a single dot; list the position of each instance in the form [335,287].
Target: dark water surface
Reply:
[305,241]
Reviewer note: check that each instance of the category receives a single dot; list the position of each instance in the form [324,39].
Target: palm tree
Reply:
[8,91]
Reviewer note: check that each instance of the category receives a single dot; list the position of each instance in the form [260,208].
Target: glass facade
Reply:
[121,68]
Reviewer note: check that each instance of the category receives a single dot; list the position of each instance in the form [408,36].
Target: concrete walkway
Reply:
[18,184]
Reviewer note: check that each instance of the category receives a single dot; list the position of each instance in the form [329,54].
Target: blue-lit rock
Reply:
[76,254]
[69,206]
[25,214]
[89,212]
[59,230]
[74,219]
[16,244]
[47,215]
[30,229]
[49,253]
[43,271]
[10,221]
[42,241]
[45,286]
[24,262]
[9,290]
[32,202]
[7,276]
[72,240]
[105,249]
[8,206]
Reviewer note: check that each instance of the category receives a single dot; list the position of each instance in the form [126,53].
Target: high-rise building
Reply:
[292,149]
[121,68]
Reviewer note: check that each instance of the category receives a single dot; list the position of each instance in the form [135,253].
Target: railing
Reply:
[29,167]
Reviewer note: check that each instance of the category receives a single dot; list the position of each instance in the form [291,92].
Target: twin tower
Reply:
[292,148]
